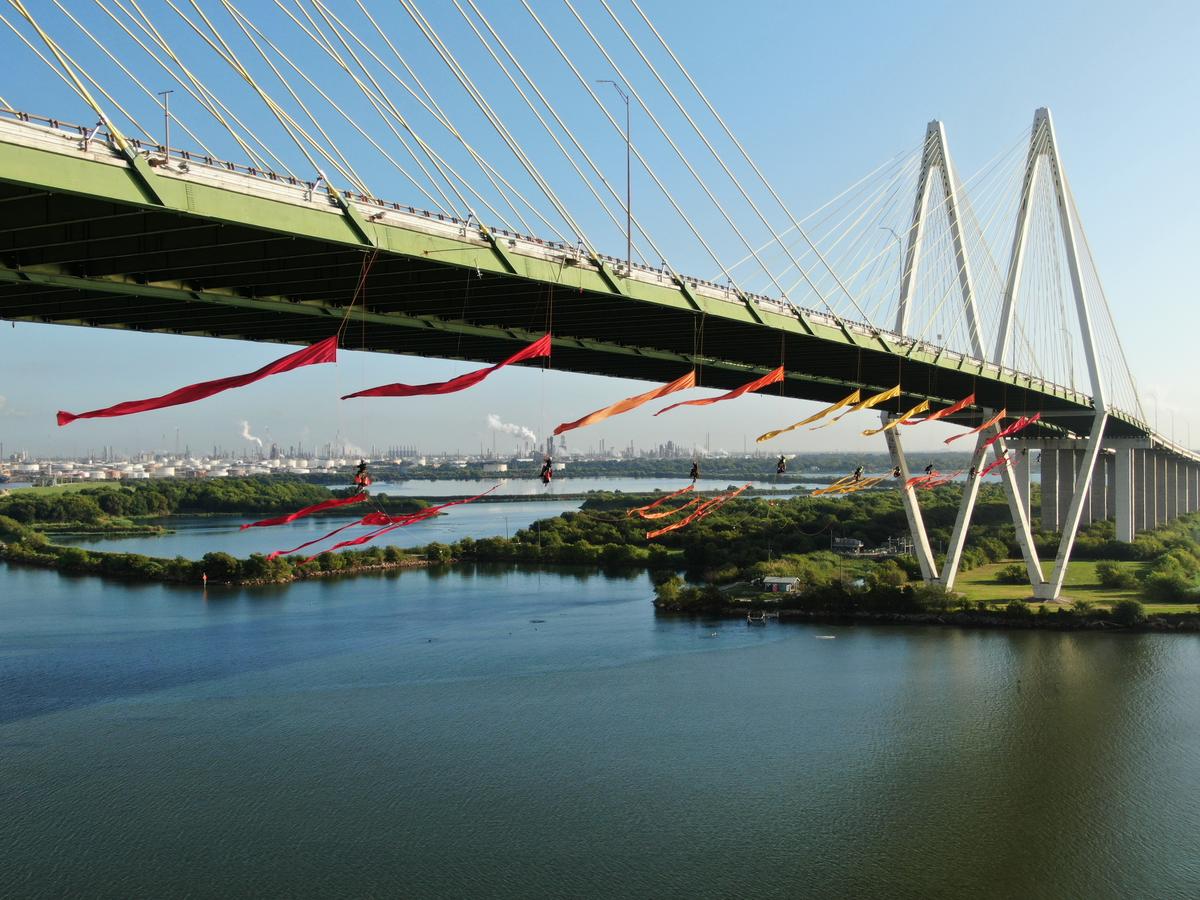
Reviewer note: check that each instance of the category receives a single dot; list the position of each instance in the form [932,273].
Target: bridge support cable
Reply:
[195,88]
[680,280]
[391,116]
[506,135]
[443,205]
[502,186]
[84,74]
[776,238]
[285,119]
[116,60]
[795,223]
[532,83]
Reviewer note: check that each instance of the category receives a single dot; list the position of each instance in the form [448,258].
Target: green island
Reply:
[723,564]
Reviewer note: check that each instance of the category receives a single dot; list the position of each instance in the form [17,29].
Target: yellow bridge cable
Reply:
[71,78]
[197,90]
[289,124]
[117,62]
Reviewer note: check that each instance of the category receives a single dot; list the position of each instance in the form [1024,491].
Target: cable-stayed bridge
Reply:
[911,276]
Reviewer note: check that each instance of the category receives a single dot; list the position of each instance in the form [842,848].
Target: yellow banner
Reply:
[883,397]
[845,401]
[915,411]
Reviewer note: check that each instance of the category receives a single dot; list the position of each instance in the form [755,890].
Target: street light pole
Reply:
[166,99]
[628,178]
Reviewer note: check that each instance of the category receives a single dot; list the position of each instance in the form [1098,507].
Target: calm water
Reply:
[564,484]
[193,537]
[523,735]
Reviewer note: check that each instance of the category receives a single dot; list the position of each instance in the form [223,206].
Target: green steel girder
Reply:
[332,228]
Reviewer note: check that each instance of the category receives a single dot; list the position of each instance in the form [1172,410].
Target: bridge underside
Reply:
[74,252]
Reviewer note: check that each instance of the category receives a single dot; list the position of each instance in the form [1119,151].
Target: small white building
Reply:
[781,584]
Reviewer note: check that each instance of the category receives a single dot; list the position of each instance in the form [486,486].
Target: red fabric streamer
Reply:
[369,519]
[918,480]
[622,406]
[1000,463]
[391,523]
[704,509]
[307,511]
[322,352]
[661,500]
[667,513]
[943,413]
[940,482]
[984,427]
[1020,425]
[540,347]
[773,377]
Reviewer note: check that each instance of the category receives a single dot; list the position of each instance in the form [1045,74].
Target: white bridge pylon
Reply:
[1042,158]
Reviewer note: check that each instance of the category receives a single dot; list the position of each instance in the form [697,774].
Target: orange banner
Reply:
[984,427]
[624,406]
[948,411]
[661,500]
[705,508]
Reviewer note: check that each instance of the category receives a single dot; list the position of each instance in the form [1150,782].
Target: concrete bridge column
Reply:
[1068,465]
[1194,488]
[1049,470]
[1172,488]
[1088,514]
[1181,487]
[1123,493]
[1160,490]
[1021,470]
[1110,484]
[1143,491]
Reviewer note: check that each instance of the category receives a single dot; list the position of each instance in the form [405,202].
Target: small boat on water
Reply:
[760,619]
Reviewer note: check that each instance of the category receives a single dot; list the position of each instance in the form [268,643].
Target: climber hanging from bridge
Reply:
[547,472]
[695,473]
[781,465]
[362,478]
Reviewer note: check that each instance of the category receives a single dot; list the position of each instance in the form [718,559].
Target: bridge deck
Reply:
[203,248]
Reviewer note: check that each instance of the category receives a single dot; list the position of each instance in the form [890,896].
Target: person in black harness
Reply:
[547,472]
[781,466]
[895,471]
[858,473]
[929,469]
[695,473]
[362,478]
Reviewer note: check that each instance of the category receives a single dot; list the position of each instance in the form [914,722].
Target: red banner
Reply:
[322,352]
[307,511]
[540,347]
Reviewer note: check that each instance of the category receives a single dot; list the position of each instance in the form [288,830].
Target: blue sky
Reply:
[820,94]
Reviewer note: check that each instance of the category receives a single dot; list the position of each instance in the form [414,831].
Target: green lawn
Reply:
[981,584]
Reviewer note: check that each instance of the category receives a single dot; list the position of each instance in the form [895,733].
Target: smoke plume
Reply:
[248,436]
[519,431]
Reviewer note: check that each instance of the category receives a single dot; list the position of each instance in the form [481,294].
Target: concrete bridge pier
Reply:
[1122,493]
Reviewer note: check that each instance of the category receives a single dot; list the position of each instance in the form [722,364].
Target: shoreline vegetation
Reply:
[715,567]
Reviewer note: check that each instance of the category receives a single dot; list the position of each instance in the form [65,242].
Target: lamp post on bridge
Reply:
[628,179]
[166,101]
